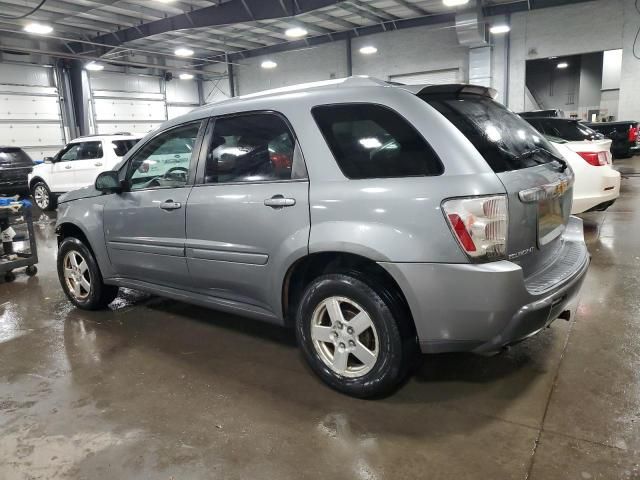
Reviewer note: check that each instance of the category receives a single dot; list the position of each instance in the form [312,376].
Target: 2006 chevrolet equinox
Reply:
[377,219]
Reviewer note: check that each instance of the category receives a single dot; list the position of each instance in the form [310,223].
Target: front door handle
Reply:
[68,167]
[279,201]
[170,205]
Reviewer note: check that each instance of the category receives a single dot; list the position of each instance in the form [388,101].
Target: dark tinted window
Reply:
[14,157]
[505,140]
[81,151]
[121,147]
[252,147]
[371,141]
[570,130]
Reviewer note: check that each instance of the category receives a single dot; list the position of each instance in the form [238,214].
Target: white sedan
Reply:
[597,184]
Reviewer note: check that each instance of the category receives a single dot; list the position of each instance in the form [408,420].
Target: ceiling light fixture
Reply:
[454,3]
[165,1]
[185,76]
[563,65]
[94,67]
[295,32]
[183,52]
[268,64]
[368,50]
[38,28]
[498,29]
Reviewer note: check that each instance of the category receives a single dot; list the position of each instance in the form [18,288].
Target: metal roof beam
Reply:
[412,6]
[234,11]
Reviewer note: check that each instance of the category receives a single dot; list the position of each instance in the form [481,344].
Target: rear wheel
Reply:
[80,276]
[351,338]
[43,197]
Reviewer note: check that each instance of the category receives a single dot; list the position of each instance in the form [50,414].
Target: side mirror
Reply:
[109,182]
[49,160]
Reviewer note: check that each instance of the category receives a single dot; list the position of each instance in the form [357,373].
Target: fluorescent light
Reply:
[165,1]
[185,76]
[368,50]
[38,28]
[93,66]
[268,64]
[563,65]
[295,32]
[454,3]
[183,52]
[498,29]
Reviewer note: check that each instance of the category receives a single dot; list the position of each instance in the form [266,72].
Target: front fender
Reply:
[87,216]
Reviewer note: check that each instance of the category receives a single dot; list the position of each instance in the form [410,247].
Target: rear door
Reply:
[249,214]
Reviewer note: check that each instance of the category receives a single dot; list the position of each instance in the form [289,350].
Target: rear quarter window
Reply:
[373,141]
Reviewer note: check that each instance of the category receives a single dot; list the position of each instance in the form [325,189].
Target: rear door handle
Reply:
[98,164]
[170,205]
[279,201]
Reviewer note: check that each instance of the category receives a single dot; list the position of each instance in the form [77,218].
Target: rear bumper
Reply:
[483,307]
[597,192]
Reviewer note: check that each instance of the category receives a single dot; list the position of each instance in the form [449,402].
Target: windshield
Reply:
[505,140]
[570,130]
[123,146]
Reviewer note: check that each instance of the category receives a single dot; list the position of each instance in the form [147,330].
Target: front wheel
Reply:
[80,276]
[43,196]
[352,338]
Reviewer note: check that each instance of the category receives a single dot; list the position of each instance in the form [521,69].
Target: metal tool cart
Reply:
[19,247]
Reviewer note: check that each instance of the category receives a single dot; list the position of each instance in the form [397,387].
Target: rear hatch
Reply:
[15,165]
[538,182]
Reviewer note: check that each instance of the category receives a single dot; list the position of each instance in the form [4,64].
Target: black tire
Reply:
[396,342]
[42,196]
[9,277]
[99,295]
[31,270]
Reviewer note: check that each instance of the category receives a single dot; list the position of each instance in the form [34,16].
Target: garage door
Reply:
[126,103]
[435,77]
[30,115]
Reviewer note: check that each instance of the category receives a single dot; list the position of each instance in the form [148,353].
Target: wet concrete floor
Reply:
[156,389]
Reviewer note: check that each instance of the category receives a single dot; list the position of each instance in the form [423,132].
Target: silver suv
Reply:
[377,220]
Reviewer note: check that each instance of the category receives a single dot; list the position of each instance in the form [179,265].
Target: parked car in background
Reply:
[377,220]
[77,165]
[543,113]
[597,185]
[624,135]
[15,167]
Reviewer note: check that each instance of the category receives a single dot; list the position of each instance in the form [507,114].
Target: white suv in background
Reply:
[77,165]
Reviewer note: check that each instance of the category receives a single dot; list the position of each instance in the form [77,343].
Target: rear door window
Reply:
[569,130]
[505,140]
[372,141]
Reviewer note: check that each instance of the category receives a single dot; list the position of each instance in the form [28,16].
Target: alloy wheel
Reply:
[76,275]
[41,196]
[344,337]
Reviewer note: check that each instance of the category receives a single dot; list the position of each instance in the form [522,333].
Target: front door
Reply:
[145,227]
[89,164]
[249,214]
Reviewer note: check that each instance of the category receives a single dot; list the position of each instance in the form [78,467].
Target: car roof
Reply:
[325,89]
[96,138]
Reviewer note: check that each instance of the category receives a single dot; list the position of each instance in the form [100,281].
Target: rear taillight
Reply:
[633,134]
[597,159]
[479,224]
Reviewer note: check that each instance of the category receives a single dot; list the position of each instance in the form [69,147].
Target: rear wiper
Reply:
[533,151]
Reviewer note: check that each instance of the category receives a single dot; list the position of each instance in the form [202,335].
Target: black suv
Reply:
[15,166]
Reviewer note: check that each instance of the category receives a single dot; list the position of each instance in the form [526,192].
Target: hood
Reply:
[84,192]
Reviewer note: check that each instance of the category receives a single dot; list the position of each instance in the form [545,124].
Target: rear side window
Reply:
[121,147]
[14,157]
[372,141]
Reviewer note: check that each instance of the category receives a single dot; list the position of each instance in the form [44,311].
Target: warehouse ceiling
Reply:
[121,29]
